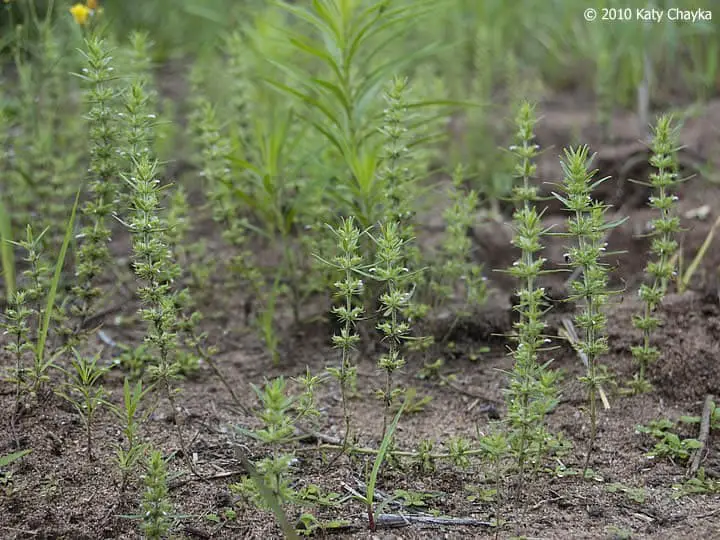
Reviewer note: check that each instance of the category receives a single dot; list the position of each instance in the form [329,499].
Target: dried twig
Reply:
[702,438]
[460,389]
[393,521]
[571,335]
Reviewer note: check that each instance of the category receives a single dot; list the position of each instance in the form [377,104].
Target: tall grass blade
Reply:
[370,494]
[52,293]
[7,253]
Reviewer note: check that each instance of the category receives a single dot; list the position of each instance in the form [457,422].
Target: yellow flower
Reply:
[80,13]
[92,4]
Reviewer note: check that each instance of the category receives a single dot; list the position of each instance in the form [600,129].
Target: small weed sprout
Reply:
[664,228]
[26,312]
[129,456]
[93,254]
[281,413]
[587,226]
[528,400]
[17,325]
[349,290]
[495,449]
[156,506]
[85,392]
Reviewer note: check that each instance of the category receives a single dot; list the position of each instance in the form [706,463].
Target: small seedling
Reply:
[156,506]
[129,456]
[84,391]
[669,444]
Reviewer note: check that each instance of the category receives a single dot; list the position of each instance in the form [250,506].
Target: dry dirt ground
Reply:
[58,494]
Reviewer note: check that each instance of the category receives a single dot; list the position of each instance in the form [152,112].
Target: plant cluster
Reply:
[315,158]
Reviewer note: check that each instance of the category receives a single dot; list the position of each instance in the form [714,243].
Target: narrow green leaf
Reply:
[7,254]
[50,303]
[409,395]
[9,458]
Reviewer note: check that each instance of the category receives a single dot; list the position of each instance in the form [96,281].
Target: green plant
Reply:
[84,390]
[26,304]
[6,477]
[369,498]
[700,484]
[348,289]
[587,226]
[714,417]
[7,255]
[669,444]
[37,278]
[496,448]
[156,506]
[637,495]
[344,42]
[664,228]
[280,415]
[128,456]
[529,399]
[156,271]
[457,265]
[93,253]
[389,270]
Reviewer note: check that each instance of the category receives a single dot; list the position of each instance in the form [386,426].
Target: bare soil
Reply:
[57,493]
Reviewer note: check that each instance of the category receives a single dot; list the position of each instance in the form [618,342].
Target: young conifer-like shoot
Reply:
[528,400]
[587,226]
[664,228]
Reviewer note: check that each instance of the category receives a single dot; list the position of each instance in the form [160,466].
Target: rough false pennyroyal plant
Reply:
[397,280]
[587,227]
[663,230]
[529,400]
[349,290]
[93,254]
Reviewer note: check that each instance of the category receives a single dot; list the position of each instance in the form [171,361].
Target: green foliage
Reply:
[396,279]
[348,290]
[128,457]
[529,399]
[701,484]
[7,255]
[457,266]
[156,506]
[7,486]
[93,253]
[84,390]
[343,41]
[669,444]
[664,229]
[587,227]
[637,495]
